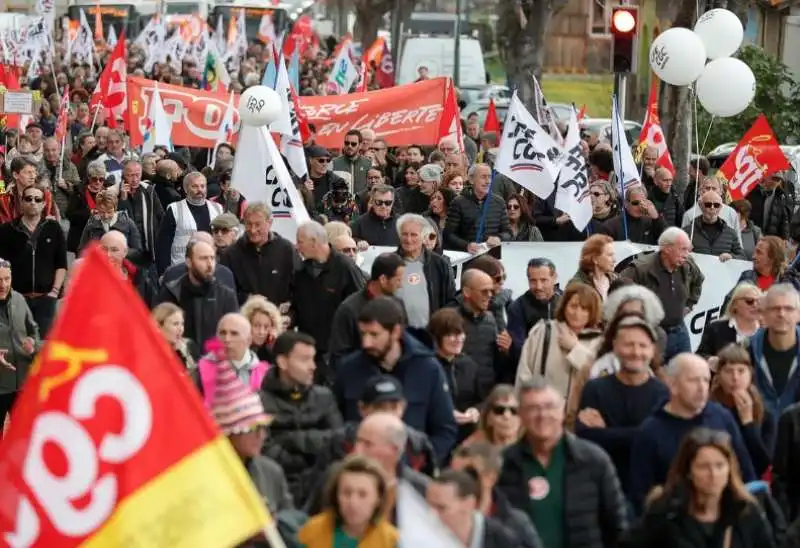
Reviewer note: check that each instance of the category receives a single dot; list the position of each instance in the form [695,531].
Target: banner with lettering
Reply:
[757,155]
[402,115]
[110,444]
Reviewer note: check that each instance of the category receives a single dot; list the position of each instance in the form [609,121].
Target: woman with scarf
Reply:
[82,204]
[106,217]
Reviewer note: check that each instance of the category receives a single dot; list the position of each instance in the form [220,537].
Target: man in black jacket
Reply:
[640,221]
[566,485]
[464,229]
[262,261]
[37,250]
[429,283]
[325,279]
[304,414]
[772,207]
[377,225]
[139,200]
[538,303]
[204,300]
[668,204]
[386,278]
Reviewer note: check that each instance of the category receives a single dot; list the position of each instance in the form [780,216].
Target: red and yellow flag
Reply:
[109,443]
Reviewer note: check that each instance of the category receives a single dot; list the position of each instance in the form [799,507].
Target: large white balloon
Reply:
[721,32]
[259,106]
[678,56]
[726,87]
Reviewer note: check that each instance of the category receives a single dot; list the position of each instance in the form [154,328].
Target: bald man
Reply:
[203,298]
[656,442]
[221,272]
[485,344]
[665,198]
[710,235]
[381,437]
[115,245]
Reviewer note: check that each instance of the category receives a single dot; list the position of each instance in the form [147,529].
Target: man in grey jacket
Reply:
[19,340]
[709,233]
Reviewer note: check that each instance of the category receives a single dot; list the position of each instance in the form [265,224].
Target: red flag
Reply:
[450,122]
[10,80]
[492,122]
[652,134]
[111,91]
[110,439]
[582,113]
[385,75]
[757,155]
[302,119]
[363,78]
[63,116]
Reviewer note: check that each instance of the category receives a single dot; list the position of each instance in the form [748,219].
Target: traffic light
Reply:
[624,26]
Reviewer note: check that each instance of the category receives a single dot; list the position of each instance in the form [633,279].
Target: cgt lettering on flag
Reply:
[575,164]
[279,199]
[525,156]
[748,170]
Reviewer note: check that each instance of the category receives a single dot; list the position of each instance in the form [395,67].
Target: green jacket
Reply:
[357,168]
[642,272]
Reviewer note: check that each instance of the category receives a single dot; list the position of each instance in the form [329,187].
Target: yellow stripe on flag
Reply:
[206,499]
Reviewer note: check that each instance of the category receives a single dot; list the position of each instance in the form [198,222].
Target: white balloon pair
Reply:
[259,106]
[725,86]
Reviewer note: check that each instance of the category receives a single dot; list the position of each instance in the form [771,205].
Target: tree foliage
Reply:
[777,96]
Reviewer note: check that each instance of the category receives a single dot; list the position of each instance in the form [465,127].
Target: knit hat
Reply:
[236,408]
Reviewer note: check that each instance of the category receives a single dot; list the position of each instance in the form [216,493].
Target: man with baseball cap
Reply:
[320,177]
[225,229]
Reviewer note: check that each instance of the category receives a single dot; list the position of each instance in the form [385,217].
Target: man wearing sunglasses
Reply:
[377,225]
[710,235]
[726,212]
[352,162]
[642,224]
[321,177]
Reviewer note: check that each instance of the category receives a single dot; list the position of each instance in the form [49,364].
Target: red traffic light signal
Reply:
[624,27]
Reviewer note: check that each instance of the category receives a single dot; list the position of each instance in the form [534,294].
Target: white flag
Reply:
[287,125]
[266,29]
[226,130]
[572,190]
[260,175]
[419,525]
[624,165]
[528,155]
[343,73]
[82,50]
[159,128]
[112,37]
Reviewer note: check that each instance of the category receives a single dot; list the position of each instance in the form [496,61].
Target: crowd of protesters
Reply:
[571,416]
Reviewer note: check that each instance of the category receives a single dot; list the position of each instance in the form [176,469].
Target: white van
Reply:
[436,53]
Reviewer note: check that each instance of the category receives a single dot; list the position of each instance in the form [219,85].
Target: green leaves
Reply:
[777,96]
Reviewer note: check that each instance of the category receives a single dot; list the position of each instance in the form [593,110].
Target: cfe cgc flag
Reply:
[757,156]
[110,444]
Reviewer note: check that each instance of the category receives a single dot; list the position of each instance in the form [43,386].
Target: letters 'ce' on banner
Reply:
[402,115]
[110,445]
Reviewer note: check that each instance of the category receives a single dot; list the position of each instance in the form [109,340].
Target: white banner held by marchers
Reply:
[528,155]
[260,175]
[572,188]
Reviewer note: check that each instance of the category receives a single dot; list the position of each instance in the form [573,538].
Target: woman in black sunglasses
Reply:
[499,423]
[741,320]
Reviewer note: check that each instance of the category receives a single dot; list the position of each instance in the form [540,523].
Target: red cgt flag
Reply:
[492,122]
[757,155]
[652,135]
[111,91]
[110,444]
[63,116]
[385,74]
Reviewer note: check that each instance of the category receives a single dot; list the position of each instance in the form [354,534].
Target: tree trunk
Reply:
[522,48]
[369,18]
[676,114]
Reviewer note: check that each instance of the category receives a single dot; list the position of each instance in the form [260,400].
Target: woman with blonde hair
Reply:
[596,266]
[558,350]
[704,502]
[733,388]
[334,229]
[742,318]
[499,422]
[107,217]
[356,500]
[266,323]
[169,318]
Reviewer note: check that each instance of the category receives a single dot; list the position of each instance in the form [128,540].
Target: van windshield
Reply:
[182,7]
[280,18]
[121,16]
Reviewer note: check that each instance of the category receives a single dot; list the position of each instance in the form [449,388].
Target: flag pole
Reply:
[624,212]
[273,536]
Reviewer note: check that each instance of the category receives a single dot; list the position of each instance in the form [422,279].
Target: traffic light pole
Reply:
[621,91]
[457,47]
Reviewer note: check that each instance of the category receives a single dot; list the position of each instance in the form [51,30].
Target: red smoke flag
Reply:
[492,122]
[757,156]
[110,444]
[111,92]
[385,75]
[652,135]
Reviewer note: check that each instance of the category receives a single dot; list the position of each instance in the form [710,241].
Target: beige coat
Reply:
[560,370]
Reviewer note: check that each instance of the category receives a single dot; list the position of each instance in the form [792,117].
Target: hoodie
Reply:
[656,444]
[429,407]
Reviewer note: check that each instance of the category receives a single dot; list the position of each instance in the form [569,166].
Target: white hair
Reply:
[314,231]
[781,290]
[419,220]
[651,304]
[677,364]
[671,235]
[192,175]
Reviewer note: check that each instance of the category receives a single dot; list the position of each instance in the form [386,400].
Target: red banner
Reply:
[109,440]
[403,115]
[757,156]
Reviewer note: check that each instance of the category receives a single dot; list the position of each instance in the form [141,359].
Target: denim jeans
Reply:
[677,341]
